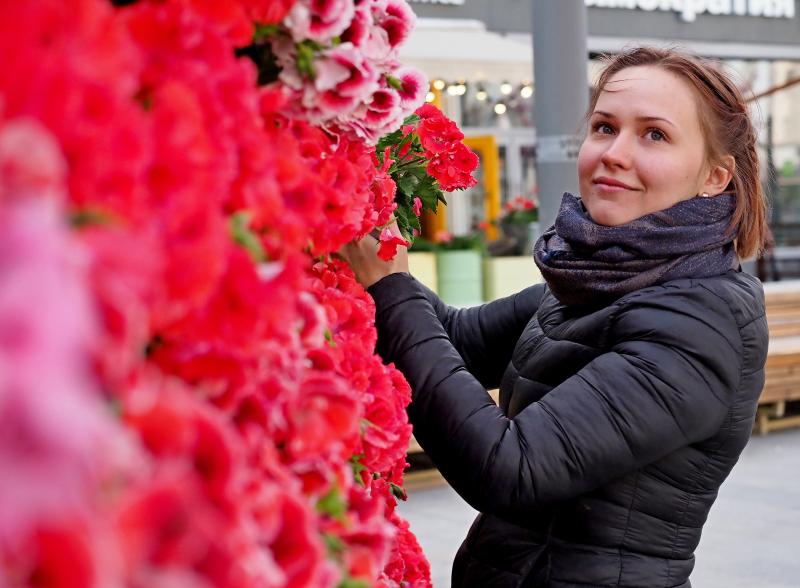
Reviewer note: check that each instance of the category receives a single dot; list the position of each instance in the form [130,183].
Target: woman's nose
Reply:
[619,152]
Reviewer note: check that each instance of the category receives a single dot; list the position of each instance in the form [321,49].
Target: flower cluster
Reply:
[188,378]
[423,159]
[520,210]
[337,62]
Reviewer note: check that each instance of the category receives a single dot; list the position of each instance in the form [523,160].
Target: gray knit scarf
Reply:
[587,263]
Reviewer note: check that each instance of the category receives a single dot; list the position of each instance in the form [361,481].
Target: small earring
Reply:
[705,195]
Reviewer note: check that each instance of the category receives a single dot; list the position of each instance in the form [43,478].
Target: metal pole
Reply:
[560,61]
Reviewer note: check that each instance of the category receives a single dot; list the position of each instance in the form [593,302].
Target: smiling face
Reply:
[644,150]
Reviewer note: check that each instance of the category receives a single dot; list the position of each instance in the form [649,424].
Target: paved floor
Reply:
[751,540]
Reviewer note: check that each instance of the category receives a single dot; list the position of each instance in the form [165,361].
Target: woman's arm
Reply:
[666,382]
[484,336]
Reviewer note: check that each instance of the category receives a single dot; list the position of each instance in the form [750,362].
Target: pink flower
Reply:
[344,78]
[417,206]
[413,87]
[319,20]
[53,412]
[443,236]
[389,243]
[393,21]
[31,163]
[398,21]
[358,31]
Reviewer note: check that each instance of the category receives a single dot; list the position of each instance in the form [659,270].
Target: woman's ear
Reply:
[719,176]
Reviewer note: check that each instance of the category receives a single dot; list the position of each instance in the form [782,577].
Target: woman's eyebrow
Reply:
[638,118]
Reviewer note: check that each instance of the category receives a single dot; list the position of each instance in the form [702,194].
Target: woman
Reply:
[629,382]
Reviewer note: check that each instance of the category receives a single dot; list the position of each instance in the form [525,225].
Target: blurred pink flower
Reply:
[31,164]
[358,31]
[413,87]
[417,206]
[51,408]
[319,20]
[398,21]
[344,79]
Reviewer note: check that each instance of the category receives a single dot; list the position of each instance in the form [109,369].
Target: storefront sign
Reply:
[689,9]
[451,2]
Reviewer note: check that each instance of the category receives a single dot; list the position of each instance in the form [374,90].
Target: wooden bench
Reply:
[782,383]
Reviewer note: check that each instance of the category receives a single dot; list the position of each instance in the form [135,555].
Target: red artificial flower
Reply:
[389,242]
[271,12]
[428,111]
[324,420]
[437,134]
[54,556]
[453,168]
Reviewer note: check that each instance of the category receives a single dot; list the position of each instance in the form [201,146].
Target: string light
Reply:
[458,89]
[526,91]
[506,88]
[500,108]
[481,95]
[430,97]
[439,84]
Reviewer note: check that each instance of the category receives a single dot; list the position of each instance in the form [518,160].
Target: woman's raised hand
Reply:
[362,256]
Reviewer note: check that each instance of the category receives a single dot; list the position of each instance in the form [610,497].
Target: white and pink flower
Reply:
[344,79]
[413,87]
[319,20]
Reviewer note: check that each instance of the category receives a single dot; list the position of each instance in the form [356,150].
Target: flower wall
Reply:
[188,388]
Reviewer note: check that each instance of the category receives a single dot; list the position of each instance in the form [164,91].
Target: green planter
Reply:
[503,276]
[460,277]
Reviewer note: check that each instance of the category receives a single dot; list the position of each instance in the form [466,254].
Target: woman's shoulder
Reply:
[735,295]
[696,316]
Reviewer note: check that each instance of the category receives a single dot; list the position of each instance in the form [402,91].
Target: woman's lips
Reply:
[612,185]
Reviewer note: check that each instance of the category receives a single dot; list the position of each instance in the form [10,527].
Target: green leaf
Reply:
[245,237]
[329,338]
[357,467]
[334,545]
[264,30]
[87,217]
[411,119]
[388,141]
[353,583]
[407,184]
[332,504]
[305,59]
[430,194]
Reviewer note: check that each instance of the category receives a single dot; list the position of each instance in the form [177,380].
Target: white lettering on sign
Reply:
[689,9]
[452,2]
[558,148]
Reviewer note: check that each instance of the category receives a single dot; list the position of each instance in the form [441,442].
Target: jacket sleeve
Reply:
[484,336]
[669,375]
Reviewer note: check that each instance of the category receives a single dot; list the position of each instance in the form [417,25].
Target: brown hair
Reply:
[725,124]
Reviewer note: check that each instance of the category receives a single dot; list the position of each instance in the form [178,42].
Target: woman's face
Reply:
[644,150]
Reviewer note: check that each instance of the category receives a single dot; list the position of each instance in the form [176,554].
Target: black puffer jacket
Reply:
[617,424]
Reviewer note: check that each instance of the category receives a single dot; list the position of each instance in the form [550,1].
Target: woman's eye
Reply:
[603,128]
[655,135]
